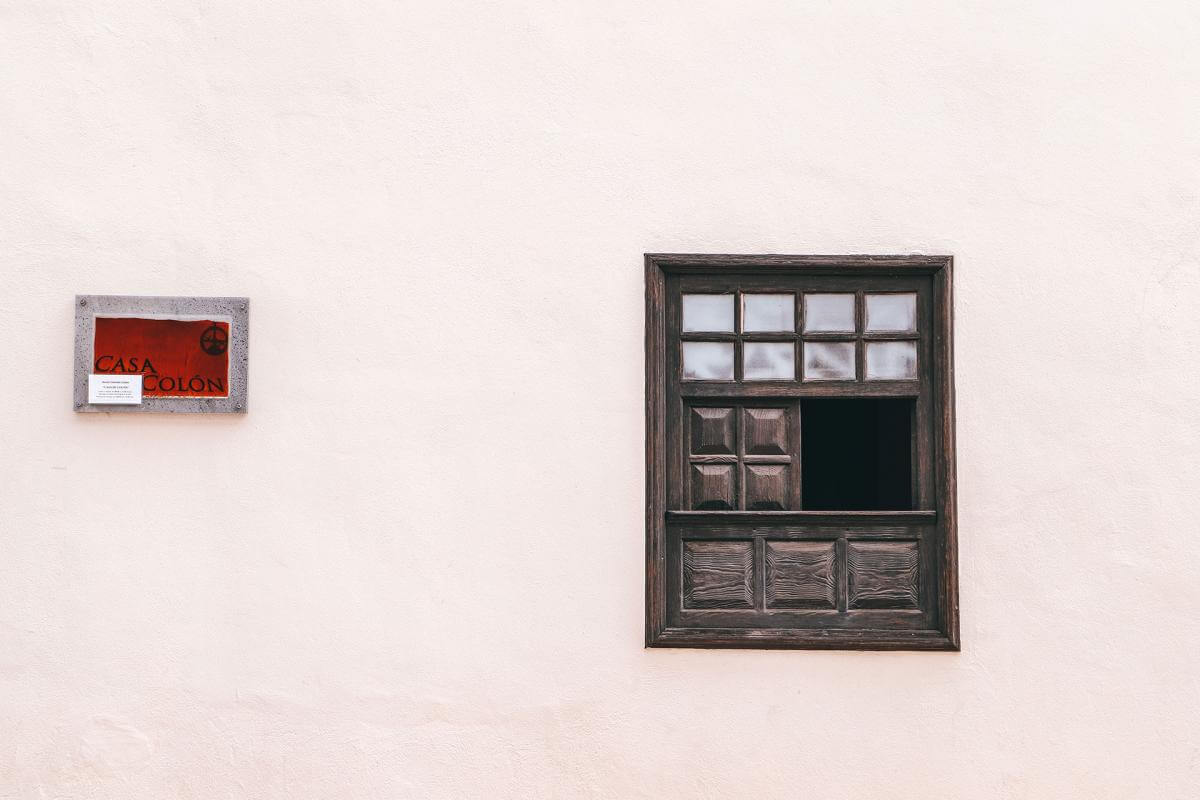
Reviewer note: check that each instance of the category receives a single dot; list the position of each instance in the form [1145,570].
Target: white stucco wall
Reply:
[415,569]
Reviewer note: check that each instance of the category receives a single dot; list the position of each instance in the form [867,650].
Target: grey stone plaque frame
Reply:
[234,310]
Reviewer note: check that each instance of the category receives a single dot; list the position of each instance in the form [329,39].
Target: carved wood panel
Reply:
[801,574]
[766,432]
[712,487]
[884,574]
[767,487]
[742,457]
[713,431]
[718,574]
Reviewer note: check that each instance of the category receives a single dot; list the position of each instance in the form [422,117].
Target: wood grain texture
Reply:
[712,431]
[884,574]
[768,487]
[718,574]
[656,452]
[947,471]
[766,431]
[772,518]
[712,486]
[787,390]
[784,638]
[715,525]
[821,264]
[801,574]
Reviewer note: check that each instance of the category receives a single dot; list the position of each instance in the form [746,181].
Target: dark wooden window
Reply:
[800,452]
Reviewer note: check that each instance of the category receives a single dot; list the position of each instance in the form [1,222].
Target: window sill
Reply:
[801,639]
[801,517]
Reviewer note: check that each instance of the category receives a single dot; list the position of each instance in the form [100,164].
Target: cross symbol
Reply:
[214,340]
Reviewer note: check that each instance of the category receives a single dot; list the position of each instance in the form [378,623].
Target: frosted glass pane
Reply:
[769,361]
[708,312]
[891,361]
[768,312]
[708,361]
[829,312]
[829,361]
[891,312]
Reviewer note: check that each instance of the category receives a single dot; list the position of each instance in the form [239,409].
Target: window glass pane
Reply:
[891,361]
[708,361]
[892,312]
[768,312]
[769,361]
[829,361]
[708,313]
[828,312]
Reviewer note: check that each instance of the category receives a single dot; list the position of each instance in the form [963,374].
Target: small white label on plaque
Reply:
[115,390]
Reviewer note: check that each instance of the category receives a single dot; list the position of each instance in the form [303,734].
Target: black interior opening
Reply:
[856,454]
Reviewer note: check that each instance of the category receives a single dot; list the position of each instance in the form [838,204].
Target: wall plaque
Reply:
[190,353]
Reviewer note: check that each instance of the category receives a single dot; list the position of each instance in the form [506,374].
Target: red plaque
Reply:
[175,357]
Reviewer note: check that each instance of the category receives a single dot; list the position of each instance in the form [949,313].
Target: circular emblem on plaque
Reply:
[214,340]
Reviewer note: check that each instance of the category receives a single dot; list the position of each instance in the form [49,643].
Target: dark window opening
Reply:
[856,454]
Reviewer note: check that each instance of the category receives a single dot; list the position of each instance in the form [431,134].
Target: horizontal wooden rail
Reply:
[803,517]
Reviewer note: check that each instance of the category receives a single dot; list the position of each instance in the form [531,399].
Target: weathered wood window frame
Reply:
[794,578]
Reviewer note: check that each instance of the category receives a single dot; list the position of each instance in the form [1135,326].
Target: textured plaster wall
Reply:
[414,569]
